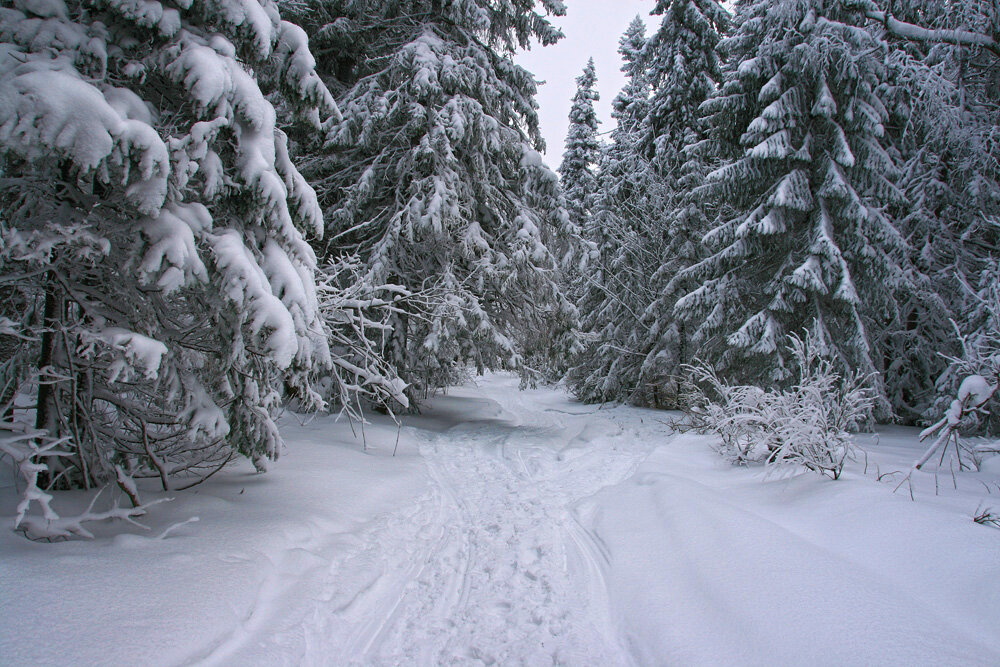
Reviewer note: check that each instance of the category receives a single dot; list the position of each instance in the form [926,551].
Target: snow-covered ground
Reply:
[522,528]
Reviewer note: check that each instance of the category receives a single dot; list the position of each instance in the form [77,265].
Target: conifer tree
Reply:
[158,291]
[624,231]
[579,163]
[685,70]
[435,180]
[809,244]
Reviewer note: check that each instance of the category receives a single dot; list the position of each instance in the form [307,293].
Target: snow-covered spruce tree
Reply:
[434,178]
[941,122]
[979,338]
[158,291]
[626,234]
[583,151]
[685,70]
[809,245]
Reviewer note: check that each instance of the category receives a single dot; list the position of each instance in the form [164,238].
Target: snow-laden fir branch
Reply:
[913,32]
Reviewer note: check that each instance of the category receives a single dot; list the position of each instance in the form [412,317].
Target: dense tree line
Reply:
[212,209]
[827,166]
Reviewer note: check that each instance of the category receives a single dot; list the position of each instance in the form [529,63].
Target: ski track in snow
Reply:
[491,566]
[513,579]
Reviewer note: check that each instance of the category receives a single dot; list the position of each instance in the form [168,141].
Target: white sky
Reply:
[592,28]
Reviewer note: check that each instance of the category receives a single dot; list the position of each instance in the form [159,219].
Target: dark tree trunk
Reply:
[45,411]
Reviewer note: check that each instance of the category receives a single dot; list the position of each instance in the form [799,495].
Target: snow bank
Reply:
[520,528]
[716,565]
[258,561]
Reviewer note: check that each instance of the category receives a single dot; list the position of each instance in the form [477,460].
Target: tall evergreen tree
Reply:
[809,244]
[579,163]
[157,283]
[624,231]
[939,122]
[685,70]
[435,179]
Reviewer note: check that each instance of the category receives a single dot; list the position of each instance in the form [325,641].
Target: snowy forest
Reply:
[213,210]
[235,230]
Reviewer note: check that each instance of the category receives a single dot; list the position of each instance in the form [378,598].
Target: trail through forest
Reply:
[523,528]
[491,565]
[508,575]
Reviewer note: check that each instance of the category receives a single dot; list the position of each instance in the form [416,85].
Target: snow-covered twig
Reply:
[171,528]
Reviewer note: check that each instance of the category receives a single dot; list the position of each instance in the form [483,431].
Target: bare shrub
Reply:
[807,424]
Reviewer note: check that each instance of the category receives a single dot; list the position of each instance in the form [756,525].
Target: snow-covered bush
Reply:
[808,424]
[158,288]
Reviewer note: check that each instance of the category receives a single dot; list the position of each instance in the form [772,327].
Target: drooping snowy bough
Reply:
[158,291]
[969,386]
[433,178]
[973,395]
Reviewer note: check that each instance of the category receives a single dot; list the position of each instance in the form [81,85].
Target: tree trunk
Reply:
[44,411]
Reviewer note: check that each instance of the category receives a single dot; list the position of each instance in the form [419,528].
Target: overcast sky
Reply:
[592,28]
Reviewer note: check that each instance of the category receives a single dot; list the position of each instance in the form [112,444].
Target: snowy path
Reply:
[521,528]
[513,578]
[491,566]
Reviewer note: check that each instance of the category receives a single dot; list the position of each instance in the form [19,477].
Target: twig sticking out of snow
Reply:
[987,516]
[973,395]
[29,449]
